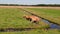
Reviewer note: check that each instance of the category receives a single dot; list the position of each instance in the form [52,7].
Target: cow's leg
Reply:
[29,19]
[35,22]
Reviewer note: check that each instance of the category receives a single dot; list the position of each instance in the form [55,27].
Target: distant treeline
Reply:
[58,5]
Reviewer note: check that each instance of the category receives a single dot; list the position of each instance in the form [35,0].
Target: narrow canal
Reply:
[52,24]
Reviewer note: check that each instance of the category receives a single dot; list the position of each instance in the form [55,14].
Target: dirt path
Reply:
[28,7]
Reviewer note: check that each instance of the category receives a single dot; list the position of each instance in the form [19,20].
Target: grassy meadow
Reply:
[13,18]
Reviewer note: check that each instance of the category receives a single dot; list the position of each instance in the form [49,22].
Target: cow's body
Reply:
[32,18]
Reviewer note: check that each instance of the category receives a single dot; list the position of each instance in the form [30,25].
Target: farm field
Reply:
[13,18]
[47,13]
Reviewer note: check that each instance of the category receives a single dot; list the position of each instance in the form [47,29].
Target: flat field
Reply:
[12,17]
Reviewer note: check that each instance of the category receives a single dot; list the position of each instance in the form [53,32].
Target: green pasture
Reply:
[50,14]
[13,18]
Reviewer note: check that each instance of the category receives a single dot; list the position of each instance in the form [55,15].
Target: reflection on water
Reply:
[52,26]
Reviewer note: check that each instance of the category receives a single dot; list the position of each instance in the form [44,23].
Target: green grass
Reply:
[13,18]
[36,31]
[50,14]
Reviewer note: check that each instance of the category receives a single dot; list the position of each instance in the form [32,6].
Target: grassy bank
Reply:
[50,14]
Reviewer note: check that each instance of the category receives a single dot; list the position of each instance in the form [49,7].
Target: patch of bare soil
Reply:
[29,7]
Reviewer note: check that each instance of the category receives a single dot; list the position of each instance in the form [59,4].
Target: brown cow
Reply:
[33,19]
